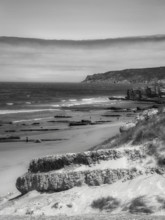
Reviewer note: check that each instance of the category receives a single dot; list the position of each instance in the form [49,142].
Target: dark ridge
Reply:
[143,75]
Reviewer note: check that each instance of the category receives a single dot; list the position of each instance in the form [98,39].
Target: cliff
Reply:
[145,75]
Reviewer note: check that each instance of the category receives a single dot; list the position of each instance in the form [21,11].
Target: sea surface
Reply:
[35,97]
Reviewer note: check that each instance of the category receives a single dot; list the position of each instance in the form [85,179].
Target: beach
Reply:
[77,124]
[16,155]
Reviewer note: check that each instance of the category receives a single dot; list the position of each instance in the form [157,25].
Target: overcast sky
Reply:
[79,20]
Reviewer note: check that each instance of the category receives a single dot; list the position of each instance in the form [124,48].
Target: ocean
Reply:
[36,97]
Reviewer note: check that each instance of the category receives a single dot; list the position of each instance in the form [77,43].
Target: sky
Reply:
[81,19]
[121,21]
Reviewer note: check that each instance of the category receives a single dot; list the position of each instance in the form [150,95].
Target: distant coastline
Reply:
[130,76]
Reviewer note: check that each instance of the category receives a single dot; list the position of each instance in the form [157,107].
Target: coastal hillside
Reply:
[148,130]
[144,75]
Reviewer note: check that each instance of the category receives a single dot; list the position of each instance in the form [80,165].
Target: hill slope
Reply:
[145,75]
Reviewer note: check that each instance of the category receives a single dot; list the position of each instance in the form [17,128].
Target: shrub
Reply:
[138,137]
[55,205]
[69,205]
[152,149]
[161,201]
[138,205]
[29,212]
[161,160]
[106,203]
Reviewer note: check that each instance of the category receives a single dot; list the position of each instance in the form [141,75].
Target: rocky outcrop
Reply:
[145,115]
[127,126]
[145,75]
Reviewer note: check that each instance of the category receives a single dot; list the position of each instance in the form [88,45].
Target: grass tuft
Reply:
[138,205]
[106,203]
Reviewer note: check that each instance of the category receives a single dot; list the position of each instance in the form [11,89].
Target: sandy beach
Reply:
[15,155]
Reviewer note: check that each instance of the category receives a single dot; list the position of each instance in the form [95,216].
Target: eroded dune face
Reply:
[62,172]
[116,181]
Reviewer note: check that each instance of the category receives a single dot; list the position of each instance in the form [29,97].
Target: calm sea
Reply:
[26,97]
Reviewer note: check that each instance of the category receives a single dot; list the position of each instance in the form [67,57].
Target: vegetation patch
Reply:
[138,205]
[69,205]
[146,130]
[56,206]
[161,201]
[106,203]
[56,162]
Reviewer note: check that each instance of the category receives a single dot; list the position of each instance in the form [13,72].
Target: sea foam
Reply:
[3,112]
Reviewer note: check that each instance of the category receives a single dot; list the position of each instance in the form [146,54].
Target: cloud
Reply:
[24,59]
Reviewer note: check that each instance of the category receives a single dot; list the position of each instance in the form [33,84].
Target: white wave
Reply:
[95,100]
[34,119]
[89,99]
[57,106]
[85,101]
[72,100]
[3,112]
[9,103]
[68,105]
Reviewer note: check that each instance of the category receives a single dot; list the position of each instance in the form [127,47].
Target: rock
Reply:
[36,123]
[10,131]
[79,123]
[127,126]
[145,115]
[116,115]
[38,141]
